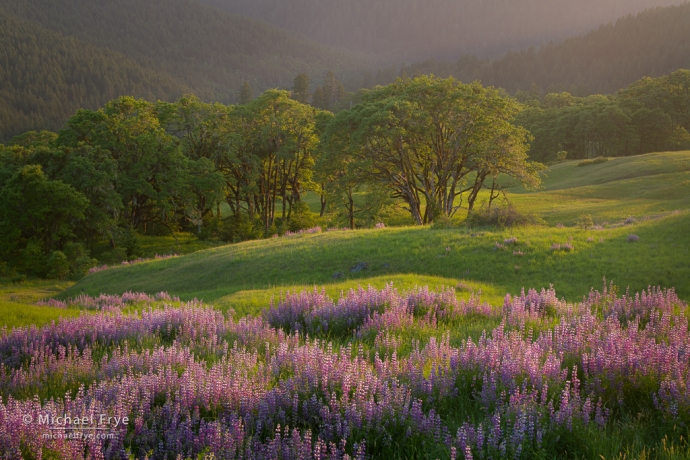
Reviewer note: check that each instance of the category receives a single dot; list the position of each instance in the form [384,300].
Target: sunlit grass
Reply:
[17,303]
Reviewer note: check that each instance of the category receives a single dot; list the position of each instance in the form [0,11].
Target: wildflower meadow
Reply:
[372,374]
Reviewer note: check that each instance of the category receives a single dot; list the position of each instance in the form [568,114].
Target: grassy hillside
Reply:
[18,303]
[46,76]
[246,275]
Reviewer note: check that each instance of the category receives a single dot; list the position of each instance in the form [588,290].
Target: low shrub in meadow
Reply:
[375,374]
[497,216]
[594,161]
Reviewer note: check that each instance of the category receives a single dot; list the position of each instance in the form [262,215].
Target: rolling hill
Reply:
[654,188]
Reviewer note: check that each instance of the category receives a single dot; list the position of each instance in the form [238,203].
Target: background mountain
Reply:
[211,51]
[421,29]
[653,43]
[45,77]
[60,55]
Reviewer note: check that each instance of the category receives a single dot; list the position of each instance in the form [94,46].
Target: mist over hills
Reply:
[60,55]
[210,51]
[653,43]
[46,76]
[447,29]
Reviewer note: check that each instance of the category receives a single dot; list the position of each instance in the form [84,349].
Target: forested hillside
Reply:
[653,43]
[420,29]
[209,51]
[45,77]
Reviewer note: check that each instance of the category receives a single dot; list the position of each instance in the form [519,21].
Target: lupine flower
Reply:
[197,383]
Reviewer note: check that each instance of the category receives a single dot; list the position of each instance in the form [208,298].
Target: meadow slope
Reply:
[654,189]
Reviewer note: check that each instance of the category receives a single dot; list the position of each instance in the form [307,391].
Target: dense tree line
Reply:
[651,115]
[419,29]
[141,167]
[650,44]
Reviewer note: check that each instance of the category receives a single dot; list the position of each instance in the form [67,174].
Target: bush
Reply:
[301,217]
[128,239]
[506,216]
[442,222]
[242,228]
[57,265]
[585,221]
[212,227]
[595,161]
[78,259]
[562,155]
[18,279]
[115,256]
[33,260]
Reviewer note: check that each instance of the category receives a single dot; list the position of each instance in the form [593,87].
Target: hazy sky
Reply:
[418,29]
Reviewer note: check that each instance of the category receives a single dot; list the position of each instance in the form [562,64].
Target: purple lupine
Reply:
[195,382]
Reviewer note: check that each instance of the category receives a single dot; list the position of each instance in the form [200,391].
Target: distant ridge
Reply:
[45,77]
[653,43]
[206,49]
[443,29]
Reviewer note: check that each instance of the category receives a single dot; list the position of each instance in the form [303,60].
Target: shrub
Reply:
[503,217]
[242,228]
[33,260]
[18,279]
[128,239]
[301,217]
[585,221]
[78,259]
[562,155]
[211,227]
[58,265]
[595,161]
[442,222]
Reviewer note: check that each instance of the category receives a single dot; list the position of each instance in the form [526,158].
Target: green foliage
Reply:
[501,217]
[301,217]
[128,240]
[36,217]
[78,259]
[585,221]
[429,141]
[595,161]
[300,88]
[57,265]
[80,54]
[241,227]
[61,74]
[562,155]
[246,94]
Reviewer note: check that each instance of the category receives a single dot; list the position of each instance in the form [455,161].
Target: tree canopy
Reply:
[433,142]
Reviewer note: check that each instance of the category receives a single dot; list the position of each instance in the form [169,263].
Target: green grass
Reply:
[632,186]
[654,188]
[18,303]
[181,243]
